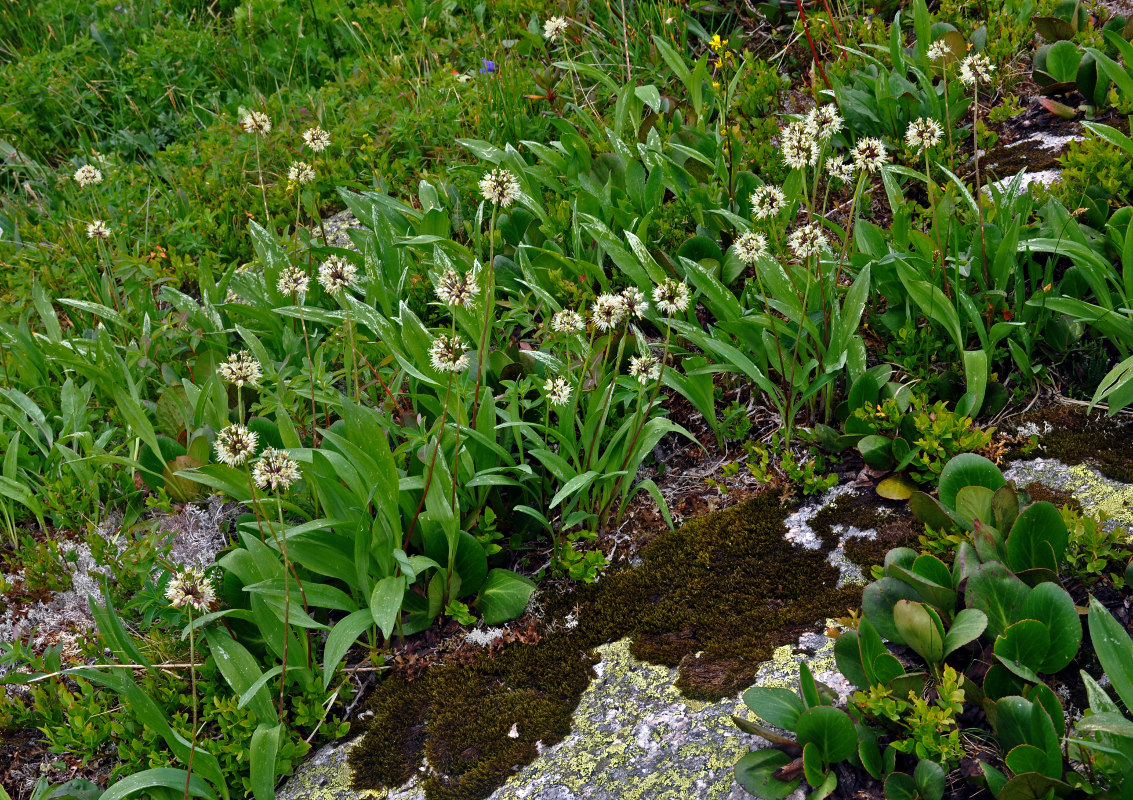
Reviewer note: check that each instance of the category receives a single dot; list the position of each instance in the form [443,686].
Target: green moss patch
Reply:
[1078,437]
[715,598]
[892,523]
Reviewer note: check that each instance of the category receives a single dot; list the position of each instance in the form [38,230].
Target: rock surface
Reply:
[635,737]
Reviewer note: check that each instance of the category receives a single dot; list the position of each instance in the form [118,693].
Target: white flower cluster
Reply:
[336,274]
[235,444]
[500,187]
[98,230]
[317,139]
[190,588]
[275,470]
[923,134]
[447,354]
[292,281]
[86,175]
[256,122]
[554,27]
[241,370]
[300,172]
[558,391]
[456,290]
[974,69]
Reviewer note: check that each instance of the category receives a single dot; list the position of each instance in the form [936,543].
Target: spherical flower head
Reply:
[241,370]
[635,302]
[800,147]
[750,247]
[447,354]
[558,391]
[976,68]
[256,122]
[645,367]
[499,187]
[235,444]
[869,154]
[456,290]
[190,589]
[840,169]
[767,201]
[671,297]
[336,274]
[554,28]
[923,134]
[608,310]
[567,321]
[807,241]
[317,139]
[292,281]
[300,172]
[938,50]
[824,122]
[98,230]
[275,471]
[86,175]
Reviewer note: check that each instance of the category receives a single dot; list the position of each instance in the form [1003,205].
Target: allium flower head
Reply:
[336,274]
[241,370]
[976,68]
[671,297]
[190,588]
[750,247]
[275,470]
[567,321]
[645,367]
[455,289]
[824,122]
[300,172]
[499,187]
[938,50]
[869,154]
[635,302]
[799,145]
[235,444]
[923,134]
[840,169]
[558,391]
[292,281]
[317,139]
[554,27]
[256,122]
[608,310]
[447,353]
[767,201]
[86,175]
[807,241]
[98,230]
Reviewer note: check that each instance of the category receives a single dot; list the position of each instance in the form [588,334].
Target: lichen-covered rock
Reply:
[1096,493]
[634,736]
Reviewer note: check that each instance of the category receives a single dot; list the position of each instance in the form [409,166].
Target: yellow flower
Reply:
[717,44]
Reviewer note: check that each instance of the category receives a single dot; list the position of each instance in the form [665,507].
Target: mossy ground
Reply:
[715,597]
[892,524]
[1078,437]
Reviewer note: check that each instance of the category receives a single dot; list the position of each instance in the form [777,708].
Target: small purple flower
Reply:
[488,68]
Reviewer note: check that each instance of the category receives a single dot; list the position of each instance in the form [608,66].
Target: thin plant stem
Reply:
[193,694]
[263,186]
[432,466]
[976,156]
[489,297]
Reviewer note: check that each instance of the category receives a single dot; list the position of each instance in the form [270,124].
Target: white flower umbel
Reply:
[235,445]
[824,122]
[500,187]
[567,321]
[558,391]
[750,247]
[635,302]
[938,50]
[275,470]
[241,370]
[554,28]
[800,147]
[767,201]
[923,134]
[317,139]
[256,122]
[456,290]
[336,274]
[86,175]
[869,154]
[645,368]
[98,230]
[671,297]
[293,281]
[976,68]
[447,354]
[840,169]
[190,588]
[608,310]
[807,241]
[300,172]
